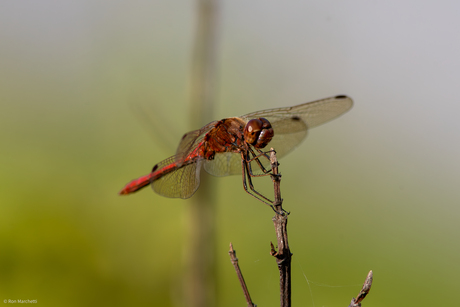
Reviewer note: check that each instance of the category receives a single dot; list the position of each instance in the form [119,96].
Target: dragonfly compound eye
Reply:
[252,130]
[265,135]
[258,132]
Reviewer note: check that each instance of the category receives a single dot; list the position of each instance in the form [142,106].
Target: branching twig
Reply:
[234,260]
[356,302]
[283,255]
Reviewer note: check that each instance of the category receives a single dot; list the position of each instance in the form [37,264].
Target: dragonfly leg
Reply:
[257,160]
[252,191]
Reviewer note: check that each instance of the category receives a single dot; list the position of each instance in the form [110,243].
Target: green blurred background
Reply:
[375,189]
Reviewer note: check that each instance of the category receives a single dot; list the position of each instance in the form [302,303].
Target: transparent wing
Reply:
[224,164]
[290,124]
[178,181]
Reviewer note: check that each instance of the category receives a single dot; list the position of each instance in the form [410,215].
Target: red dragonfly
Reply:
[234,146]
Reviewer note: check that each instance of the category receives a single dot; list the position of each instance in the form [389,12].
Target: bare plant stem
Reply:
[283,255]
[200,280]
[234,260]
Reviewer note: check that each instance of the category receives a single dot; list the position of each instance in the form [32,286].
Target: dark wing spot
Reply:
[295,118]
[155,168]
[340,97]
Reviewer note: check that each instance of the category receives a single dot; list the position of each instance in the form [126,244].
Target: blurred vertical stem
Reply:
[200,280]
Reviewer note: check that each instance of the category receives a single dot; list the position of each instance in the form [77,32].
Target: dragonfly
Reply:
[235,145]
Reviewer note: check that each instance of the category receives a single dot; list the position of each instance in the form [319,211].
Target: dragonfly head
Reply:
[258,132]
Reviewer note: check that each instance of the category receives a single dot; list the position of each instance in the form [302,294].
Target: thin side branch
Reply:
[283,255]
[356,302]
[234,260]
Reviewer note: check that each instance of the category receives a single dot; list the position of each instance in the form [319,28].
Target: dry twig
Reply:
[234,260]
[356,302]
[283,255]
